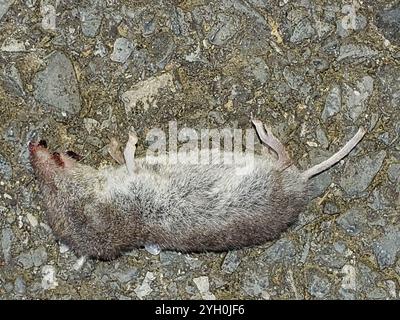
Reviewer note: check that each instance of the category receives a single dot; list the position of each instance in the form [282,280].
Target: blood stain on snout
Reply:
[57,159]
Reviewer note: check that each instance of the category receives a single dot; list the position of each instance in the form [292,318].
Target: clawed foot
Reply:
[267,137]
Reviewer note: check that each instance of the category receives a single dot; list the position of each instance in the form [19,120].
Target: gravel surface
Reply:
[79,73]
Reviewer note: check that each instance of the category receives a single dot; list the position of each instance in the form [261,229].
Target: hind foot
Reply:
[267,137]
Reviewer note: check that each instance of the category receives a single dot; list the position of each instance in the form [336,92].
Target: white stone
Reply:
[12,45]
[32,220]
[349,278]
[203,286]
[49,280]
[146,91]
[153,249]
[144,289]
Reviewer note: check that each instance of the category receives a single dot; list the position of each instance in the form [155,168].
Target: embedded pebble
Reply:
[5,168]
[49,280]
[358,174]
[7,237]
[319,287]
[144,289]
[333,103]
[386,248]
[122,50]
[56,87]
[231,262]
[203,286]
[352,221]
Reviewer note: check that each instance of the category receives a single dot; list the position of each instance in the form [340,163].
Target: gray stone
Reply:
[6,240]
[19,286]
[356,99]
[350,52]
[282,250]
[91,17]
[4,6]
[322,138]
[319,286]
[12,80]
[179,26]
[378,200]
[330,208]
[352,221]
[127,275]
[329,257]
[394,172]
[32,258]
[390,87]
[388,21]
[386,248]
[223,31]
[56,86]
[255,284]
[122,50]
[333,103]
[5,168]
[302,31]
[377,294]
[231,262]
[259,70]
[320,184]
[358,175]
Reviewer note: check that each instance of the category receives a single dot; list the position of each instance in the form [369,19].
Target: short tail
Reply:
[336,157]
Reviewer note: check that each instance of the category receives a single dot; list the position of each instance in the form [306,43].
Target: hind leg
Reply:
[128,157]
[129,152]
[267,137]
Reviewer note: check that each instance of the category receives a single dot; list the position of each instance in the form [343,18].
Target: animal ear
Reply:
[73,155]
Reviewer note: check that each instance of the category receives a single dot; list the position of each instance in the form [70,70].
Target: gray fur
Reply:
[101,213]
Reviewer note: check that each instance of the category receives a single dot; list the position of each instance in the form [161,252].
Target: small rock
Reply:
[4,6]
[203,286]
[349,278]
[330,208]
[6,240]
[223,31]
[19,286]
[302,31]
[127,275]
[122,50]
[153,249]
[358,175]
[56,86]
[356,99]
[386,248]
[231,262]
[319,287]
[49,280]
[394,172]
[5,168]
[90,19]
[13,45]
[388,21]
[12,80]
[282,250]
[144,289]
[333,103]
[352,51]
[377,294]
[146,91]
[255,284]
[32,220]
[32,258]
[352,221]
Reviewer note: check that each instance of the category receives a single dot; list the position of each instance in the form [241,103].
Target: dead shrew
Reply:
[186,207]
